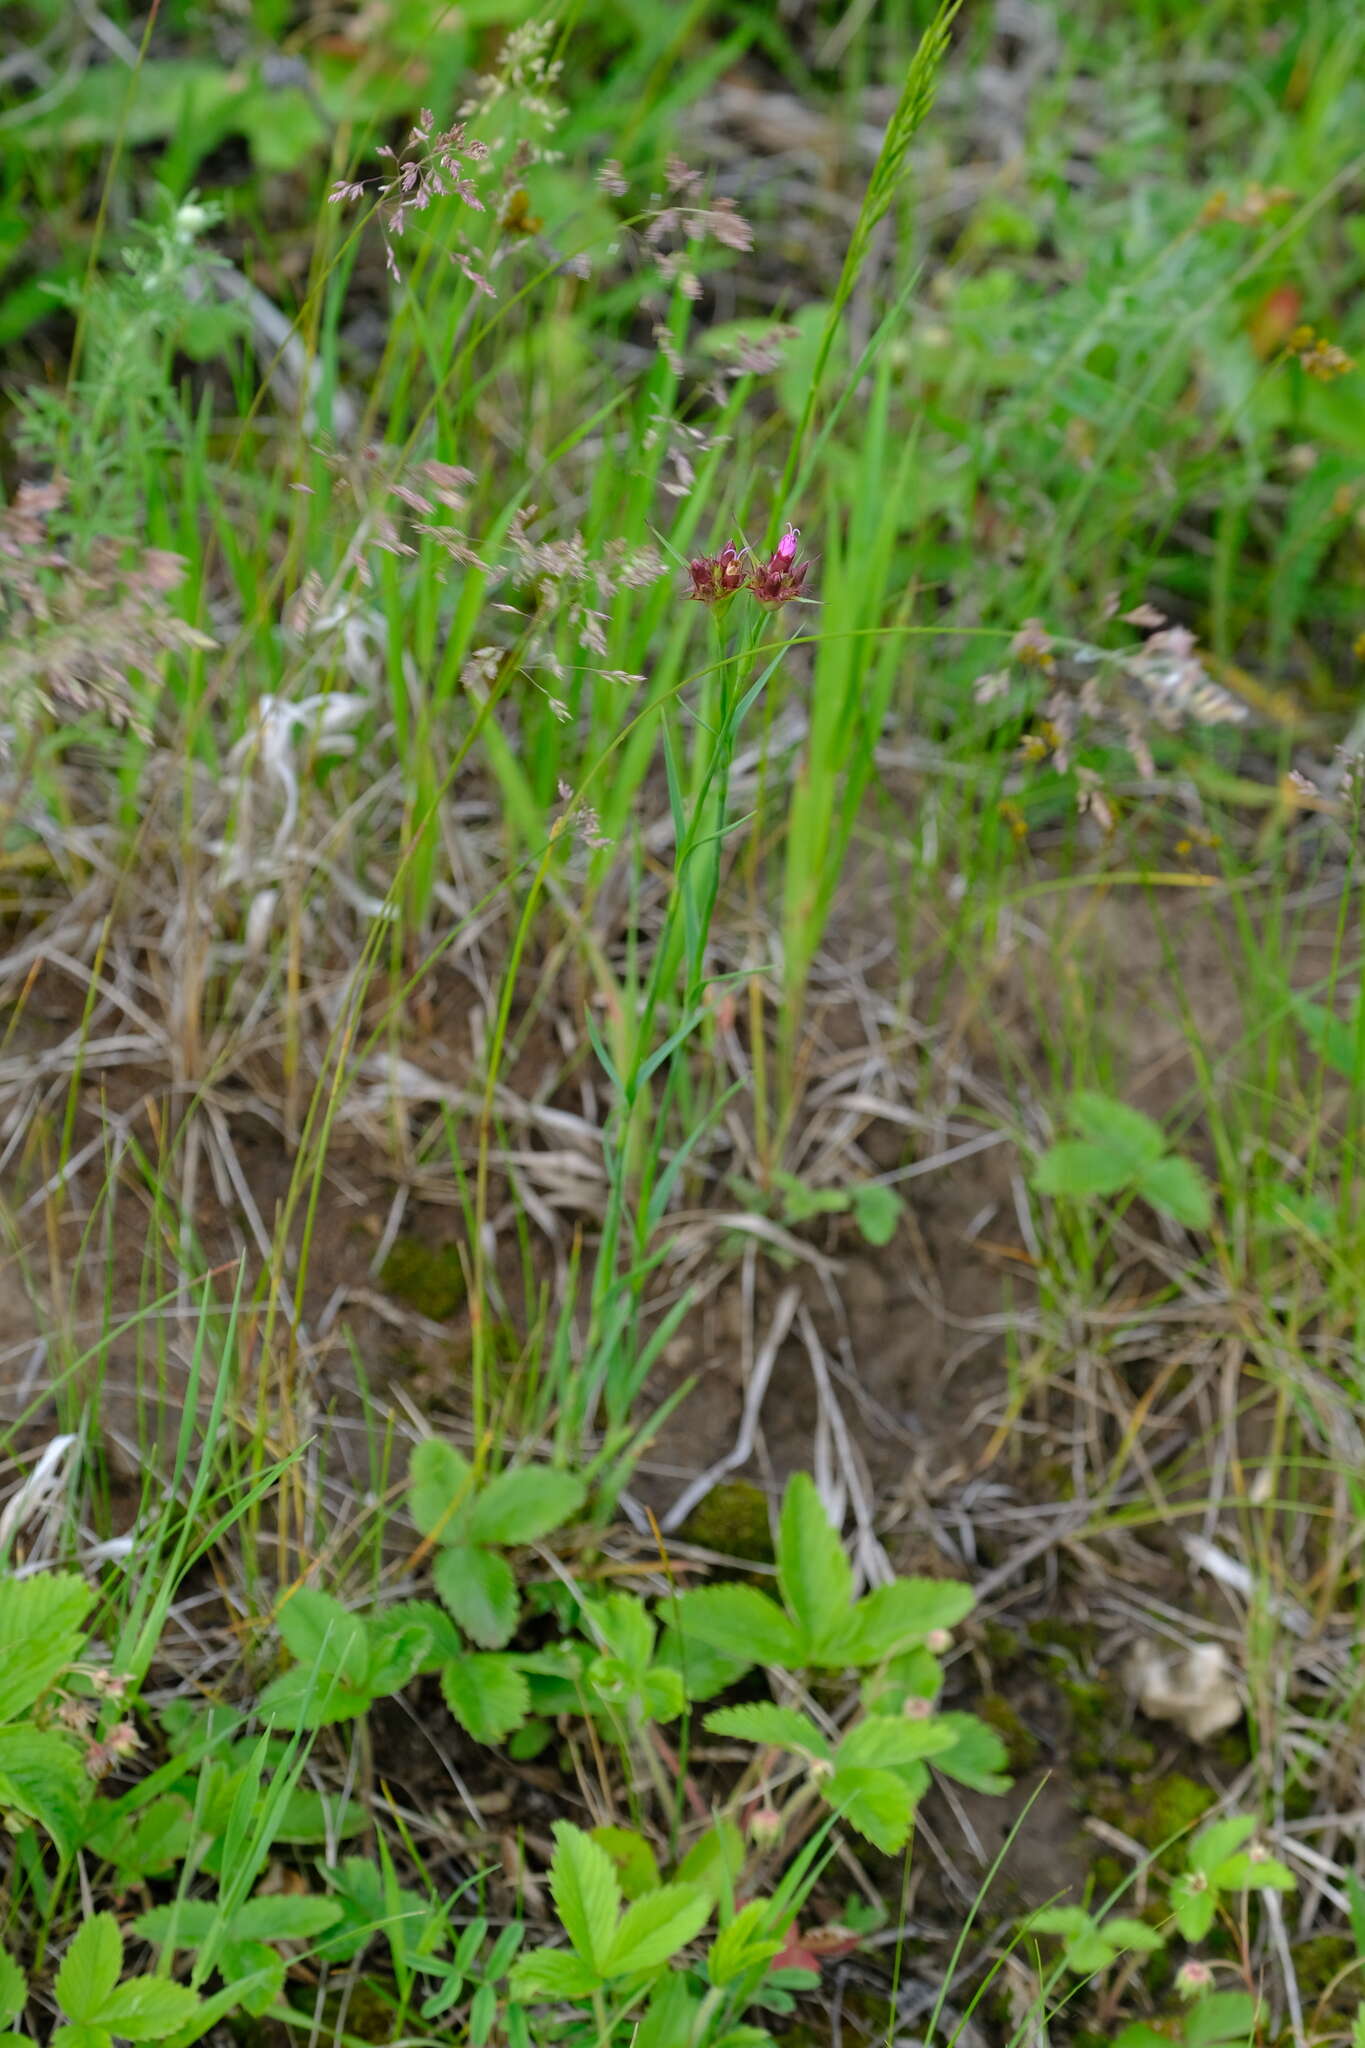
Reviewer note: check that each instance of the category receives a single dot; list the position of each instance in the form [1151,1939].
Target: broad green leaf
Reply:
[812,1565]
[321,1817]
[894,1618]
[977,1758]
[284,1916]
[551,1973]
[1124,1933]
[189,1923]
[742,1623]
[90,1969]
[40,1627]
[524,1504]
[716,1861]
[324,1637]
[878,1804]
[703,1670]
[877,1212]
[82,2035]
[1076,1168]
[1333,1039]
[149,2008]
[145,1844]
[586,1894]
[1177,1187]
[1140,2035]
[632,1859]
[478,1587]
[253,1963]
[671,2016]
[1064,1920]
[885,1741]
[299,1698]
[1223,2016]
[487,1694]
[1254,1874]
[1123,1131]
[1194,1909]
[1216,1842]
[1089,1951]
[41,1779]
[744,1944]
[623,1623]
[444,1638]
[439,1482]
[13,1988]
[656,1927]
[777,1727]
[396,1655]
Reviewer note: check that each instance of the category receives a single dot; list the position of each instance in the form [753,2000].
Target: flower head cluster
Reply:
[717,578]
[1322,359]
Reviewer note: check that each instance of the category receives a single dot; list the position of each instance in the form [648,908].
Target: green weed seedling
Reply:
[344,1663]
[622,1956]
[876,1774]
[100,2003]
[472,1524]
[43,1779]
[1091,1944]
[1121,1151]
[1214,2019]
[244,1937]
[1219,1861]
[874,1208]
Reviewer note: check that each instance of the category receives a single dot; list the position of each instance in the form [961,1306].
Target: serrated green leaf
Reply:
[1216,1842]
[1194,1910]
[1127,1133]
[1064,1920]
[812,1565]
[741,1623]
[1088,1952]
[149,2008]
[586,1894]
[189,1922]
[478,1587]
[886,1741]
[622,1623]
[978,1757]
[1139,2035]
[894,1618]
[13,1987]
[656,1928]
[524,1504]
[743,1945]
[298,1698]
[1123,1932]
[632,1859]
[324,1637]
[1332,1039]
[551,1973]
[145,1844]
[877,1212]
[716,1861]
[776,1727]
[439,1489]
[41,1779]
[90,1969]
[1075,1168]
[396,1655]
[1177,1188]
[487,1694]
[40,1627]
[879,1804]
[81,2035]
[284,1916]
[1262,1874]
[1224,2016]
